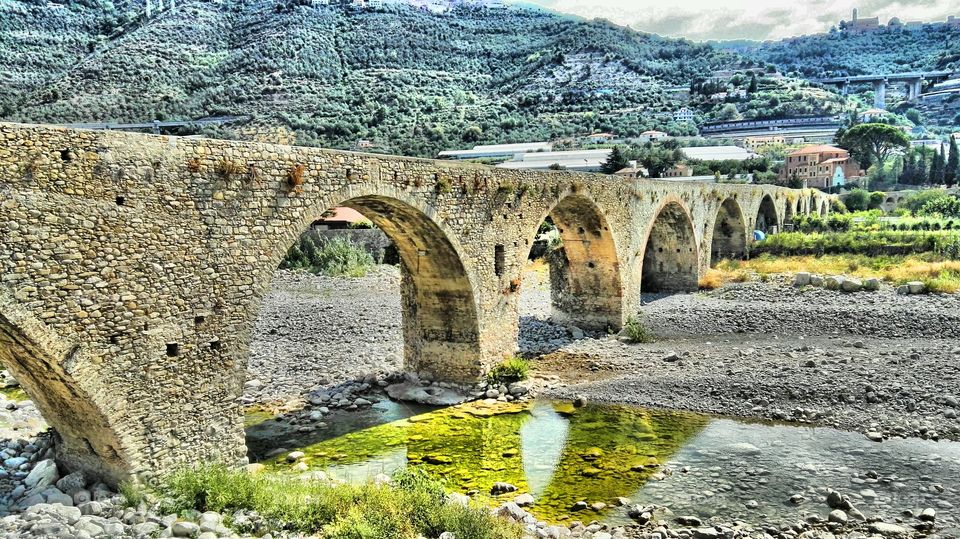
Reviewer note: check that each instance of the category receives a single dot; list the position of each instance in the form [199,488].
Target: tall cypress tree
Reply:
[922,168]
[936,168]
[953,164]
[908,176]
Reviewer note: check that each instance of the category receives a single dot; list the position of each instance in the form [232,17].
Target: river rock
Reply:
[502,488]
[889,530]
[801,279]
[838,516]
[71,483]
[414,392]
[511,511]
[524,500]
[42,475]
[833,282]
[851,285]
[184,529]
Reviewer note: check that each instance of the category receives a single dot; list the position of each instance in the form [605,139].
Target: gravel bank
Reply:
[877,363]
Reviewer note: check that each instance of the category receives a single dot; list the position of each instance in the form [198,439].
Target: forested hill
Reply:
[411,81]
[930,47]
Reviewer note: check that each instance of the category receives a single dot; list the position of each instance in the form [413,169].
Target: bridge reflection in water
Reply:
[557,453]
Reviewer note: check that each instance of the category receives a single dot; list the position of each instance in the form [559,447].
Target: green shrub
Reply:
[413,507]
[636,331]
[511,370]
[945,206]
[857,200]
[914,202]
[871,243]
[133,495]
[337,257]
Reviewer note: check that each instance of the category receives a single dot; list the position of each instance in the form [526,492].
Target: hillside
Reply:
[410,81]
[930,47]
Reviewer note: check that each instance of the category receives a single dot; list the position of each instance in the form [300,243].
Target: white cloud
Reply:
[753,19]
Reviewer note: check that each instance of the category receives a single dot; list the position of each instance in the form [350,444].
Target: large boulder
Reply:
[851,285]
[43,474]
[801,279]
[833,282]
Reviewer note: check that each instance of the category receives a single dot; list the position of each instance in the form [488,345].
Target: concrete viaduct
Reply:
[133,267]
[914,82]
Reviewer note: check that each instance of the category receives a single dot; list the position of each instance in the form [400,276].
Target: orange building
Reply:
[822,166]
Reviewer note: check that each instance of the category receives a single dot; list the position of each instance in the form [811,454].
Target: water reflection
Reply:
[692,463]
[559,454]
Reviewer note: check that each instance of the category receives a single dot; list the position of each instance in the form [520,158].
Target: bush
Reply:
[413,507]
[871,243]
[512,370]
[914,202]
[337,257]
[945,207]
[857,200]
[636,331]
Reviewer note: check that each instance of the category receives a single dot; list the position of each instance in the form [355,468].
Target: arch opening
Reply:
[670,262]
[438,312]
[85,439]
[823,208]
[729,233]
[585,284]
[788,213]
[766,221]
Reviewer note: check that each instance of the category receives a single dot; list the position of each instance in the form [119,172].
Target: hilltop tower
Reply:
[856,12]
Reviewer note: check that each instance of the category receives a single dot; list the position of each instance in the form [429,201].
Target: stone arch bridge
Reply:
[133,267]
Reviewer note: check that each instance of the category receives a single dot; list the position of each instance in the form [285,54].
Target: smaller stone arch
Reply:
[767,220]
[670,257]
[788,212]
[729,232]
[585,282]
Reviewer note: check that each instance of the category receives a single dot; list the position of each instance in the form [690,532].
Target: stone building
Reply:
[821,166]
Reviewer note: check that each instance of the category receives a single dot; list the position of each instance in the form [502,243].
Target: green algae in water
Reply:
[559,454]
[14,393]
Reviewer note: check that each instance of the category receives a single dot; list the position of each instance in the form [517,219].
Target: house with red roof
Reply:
[821,165]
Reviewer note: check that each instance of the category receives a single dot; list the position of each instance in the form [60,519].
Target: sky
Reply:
[747,19]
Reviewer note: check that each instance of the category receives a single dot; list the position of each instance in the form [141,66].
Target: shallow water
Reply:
[691,463]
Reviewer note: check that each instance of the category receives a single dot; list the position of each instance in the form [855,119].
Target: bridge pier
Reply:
[880,94]
[134,267]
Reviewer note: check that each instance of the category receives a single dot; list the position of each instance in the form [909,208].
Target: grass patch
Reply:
[133,496]
[940,275]
[711,281]
[512,370]
[413,506]
[636,331]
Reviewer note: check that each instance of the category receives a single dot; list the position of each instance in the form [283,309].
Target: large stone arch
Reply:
[441,325]
[729,232]
[52,371]
[585,282]
[767,219]
[670,262]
